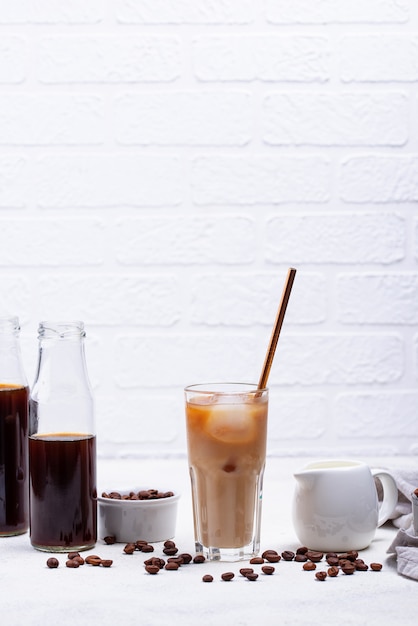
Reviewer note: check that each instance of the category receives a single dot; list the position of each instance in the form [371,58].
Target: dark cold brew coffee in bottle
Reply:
[62,443]
[14,398]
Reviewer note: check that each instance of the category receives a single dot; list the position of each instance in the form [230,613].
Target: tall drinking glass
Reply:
[226,438]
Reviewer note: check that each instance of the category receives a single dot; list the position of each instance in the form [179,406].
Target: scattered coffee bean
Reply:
[302,550]
[252,576]
[320,575]
[333,560]
[79,560]
[333,571]
[172,565]
[272,558]
[170,551]
[152,569]
[376,567]
[148,494]
[52,562]
[207,578]
[301,558]
[288,555]
[246,570]
[155,560]
[140,543]
[227,576]
[361,565]
[268,569]
[314,556]
[129,548]
[93,559]
[72,555]
[106,562]
[199,558]
[176,559]
[268,552]
[110,540]
[348,568]
[147,548]
[309,566]
[257,560]
[187,558]
[169,544]
[72,563]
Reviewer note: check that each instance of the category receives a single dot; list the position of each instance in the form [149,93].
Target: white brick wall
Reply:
[163,163]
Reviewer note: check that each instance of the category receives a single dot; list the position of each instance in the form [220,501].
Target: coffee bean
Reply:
[106,562]
[266,552]
[175,559]
[252,576]
[140,543]
[348,568]
[170,551]
[199,558]
[172,565]
[72,555]
[302,550]
[147,548]
[288,555]
[207,578]
[110,540]
[321,575]
[314,556]
[301,558]
[376,567]
[309,566]
[129,548]
[155,560]
[227,576]
[246,570]
[169,544]
[333,560]
[52,562]
[272,558]
[187,558]
[72,563]
[152,569]
[333,571]
[257,560]
[361,565]
[93,559]
[268,569]
[79,560]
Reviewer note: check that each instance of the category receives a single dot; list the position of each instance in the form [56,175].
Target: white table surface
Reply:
[32,594]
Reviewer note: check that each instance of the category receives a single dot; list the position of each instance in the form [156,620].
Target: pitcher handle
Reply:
[390,494]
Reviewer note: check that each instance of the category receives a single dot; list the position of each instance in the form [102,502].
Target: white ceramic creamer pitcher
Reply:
[335,504]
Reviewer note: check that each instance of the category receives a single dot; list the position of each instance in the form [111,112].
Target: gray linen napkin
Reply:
[405,544]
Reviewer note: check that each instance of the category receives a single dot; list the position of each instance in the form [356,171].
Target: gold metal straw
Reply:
[277,328]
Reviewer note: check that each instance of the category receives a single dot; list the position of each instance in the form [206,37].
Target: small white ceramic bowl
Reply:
[132,520]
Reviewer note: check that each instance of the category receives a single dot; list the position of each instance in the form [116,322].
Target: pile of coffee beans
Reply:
[145,494]
[74,560]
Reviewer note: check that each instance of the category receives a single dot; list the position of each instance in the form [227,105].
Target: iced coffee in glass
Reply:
[226,439]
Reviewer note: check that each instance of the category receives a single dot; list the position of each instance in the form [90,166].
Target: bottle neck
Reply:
[61,396]
[11,365]
[61,353]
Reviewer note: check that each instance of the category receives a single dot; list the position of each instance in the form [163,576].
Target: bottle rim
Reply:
[9,323]
[61,329]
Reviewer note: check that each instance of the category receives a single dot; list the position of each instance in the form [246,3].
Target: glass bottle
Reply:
[14,399]
[62,443]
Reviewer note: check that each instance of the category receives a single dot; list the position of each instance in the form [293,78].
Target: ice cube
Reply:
[232,423]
